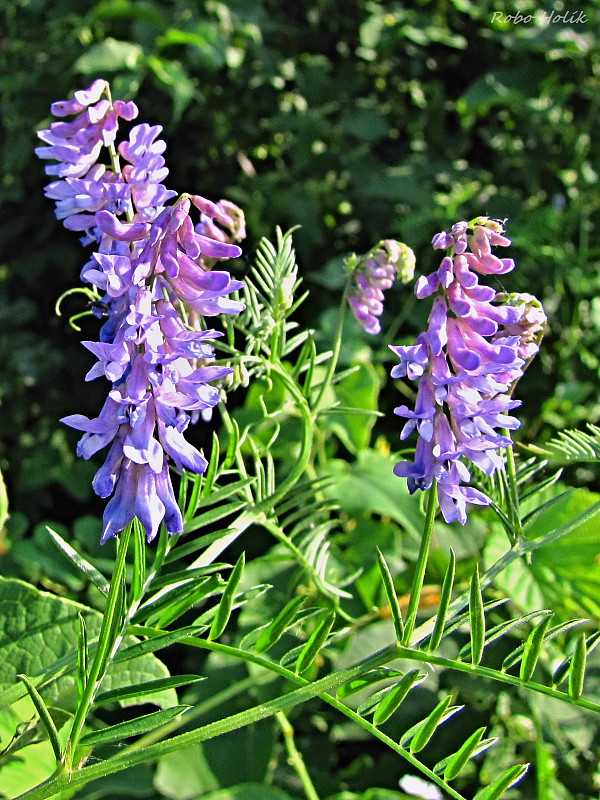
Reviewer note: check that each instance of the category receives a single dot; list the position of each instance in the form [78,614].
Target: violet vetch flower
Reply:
[475,348]
[153,271]
[373,274]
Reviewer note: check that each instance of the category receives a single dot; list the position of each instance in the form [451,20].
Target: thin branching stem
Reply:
[337,344]
[295,758]
[421,566]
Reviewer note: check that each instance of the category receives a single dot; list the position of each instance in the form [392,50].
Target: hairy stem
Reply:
[106,647]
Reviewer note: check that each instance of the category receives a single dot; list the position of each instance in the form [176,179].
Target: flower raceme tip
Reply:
[153,269]
[374,273]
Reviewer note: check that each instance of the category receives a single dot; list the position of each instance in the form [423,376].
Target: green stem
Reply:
[56,784]
[295,757]
[415,595]
[524,547]
[337,344]
[106,646]
[513,494]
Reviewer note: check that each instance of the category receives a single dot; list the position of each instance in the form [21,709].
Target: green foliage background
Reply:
[357,120]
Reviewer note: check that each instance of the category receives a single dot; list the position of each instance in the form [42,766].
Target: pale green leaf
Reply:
[38,629]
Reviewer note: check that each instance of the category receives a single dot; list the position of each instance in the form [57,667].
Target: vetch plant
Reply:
[329,581]
[153,267]
[466,364]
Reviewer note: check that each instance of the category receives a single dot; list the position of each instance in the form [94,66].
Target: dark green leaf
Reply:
[533,647]
[577,668]
[226,602]
[446,593]
[148,687]
[457,762]
[421,733]
[396,695]
[315,642]
[366,680]
[496,789]
[279,625]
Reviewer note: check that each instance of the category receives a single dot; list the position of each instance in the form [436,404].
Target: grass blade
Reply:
[134,727]
[147,687]
[44,715]
[96,577]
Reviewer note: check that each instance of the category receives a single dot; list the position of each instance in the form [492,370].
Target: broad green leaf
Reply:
[33,763]
[562,572]
[38,629]
[359,390]
[571,565]
[248,791]
[185,775]
[369,485]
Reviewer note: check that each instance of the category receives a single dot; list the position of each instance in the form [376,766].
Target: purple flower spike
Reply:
[153,265]
[467,364]
[373,274]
